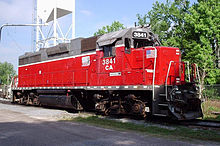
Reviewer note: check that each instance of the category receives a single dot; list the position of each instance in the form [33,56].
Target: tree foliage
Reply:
[142,20]
[6,72]
[195,29]
[203,26]
[115,26]
[166,20]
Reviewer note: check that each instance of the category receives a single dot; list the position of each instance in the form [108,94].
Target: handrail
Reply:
[198,75]
[168,71]
[188,70]
[155,61]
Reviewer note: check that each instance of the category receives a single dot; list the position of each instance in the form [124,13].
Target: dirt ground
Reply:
[28,125]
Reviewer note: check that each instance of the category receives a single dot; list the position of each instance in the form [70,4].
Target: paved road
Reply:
[25,126]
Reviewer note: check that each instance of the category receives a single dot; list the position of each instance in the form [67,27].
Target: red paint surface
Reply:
[134,68]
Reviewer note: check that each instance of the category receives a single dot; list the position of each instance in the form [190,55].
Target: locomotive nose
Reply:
[185,104]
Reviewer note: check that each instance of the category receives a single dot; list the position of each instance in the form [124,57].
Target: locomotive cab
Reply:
[133,58]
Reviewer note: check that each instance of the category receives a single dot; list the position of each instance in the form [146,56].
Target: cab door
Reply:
[133,70]
[109,66]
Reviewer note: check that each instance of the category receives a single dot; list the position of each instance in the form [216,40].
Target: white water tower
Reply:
[49,11]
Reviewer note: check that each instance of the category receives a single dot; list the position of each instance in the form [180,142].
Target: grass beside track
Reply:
[209,108]
[179,132]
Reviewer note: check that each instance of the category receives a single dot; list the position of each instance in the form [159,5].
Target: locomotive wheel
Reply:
[139,109]
[134,106]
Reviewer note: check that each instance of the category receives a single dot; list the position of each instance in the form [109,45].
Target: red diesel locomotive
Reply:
[123,72]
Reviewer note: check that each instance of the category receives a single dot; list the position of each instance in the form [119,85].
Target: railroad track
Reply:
[202,123]
[196,123]
[5,101]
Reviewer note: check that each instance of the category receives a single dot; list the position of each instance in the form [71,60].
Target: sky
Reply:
[90,16]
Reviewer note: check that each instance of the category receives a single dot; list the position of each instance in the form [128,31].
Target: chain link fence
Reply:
[5,91]
[212,91]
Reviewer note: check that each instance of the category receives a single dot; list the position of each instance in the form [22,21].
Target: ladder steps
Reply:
[163,104]
[162,115]
[162,94]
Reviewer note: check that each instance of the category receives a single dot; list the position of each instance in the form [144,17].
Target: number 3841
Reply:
[108,63]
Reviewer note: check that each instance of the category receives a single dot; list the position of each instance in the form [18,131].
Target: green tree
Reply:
[6,72]
[203,27]
[142,20]
[194,29]
[166,20]
[115,26]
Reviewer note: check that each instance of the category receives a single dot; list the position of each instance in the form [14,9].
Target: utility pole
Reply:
[4,25]
[218,56]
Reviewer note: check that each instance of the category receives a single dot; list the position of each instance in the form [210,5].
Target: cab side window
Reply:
[127,45]
[109,50]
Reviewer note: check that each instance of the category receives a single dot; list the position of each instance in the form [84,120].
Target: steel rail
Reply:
[201,123]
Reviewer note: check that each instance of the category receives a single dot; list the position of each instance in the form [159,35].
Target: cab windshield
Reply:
[139,43]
